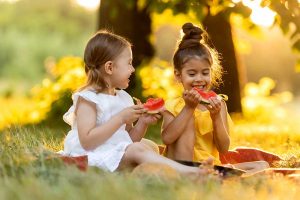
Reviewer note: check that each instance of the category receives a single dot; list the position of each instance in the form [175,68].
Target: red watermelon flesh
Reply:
[154,105]
[205,95]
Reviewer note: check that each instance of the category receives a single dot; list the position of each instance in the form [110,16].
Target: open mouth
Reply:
[201,87]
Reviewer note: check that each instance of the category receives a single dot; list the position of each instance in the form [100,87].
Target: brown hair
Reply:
[193,45]
[104,46]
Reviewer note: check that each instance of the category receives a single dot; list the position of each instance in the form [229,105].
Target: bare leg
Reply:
[153,146]
[252,167]
[137,153]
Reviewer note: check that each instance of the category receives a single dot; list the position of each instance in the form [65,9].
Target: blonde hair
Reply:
[104,46]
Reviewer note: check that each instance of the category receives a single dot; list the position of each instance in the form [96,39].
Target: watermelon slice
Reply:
[206,95]
[154,105]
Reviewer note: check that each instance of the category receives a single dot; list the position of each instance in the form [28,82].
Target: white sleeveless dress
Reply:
[108,155]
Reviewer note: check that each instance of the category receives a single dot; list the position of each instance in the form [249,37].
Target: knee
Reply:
[264,164]
[261,165]
[136,151]
[150,145]
[137,148]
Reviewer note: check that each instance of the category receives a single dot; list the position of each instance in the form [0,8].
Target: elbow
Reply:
[86,146]
[166,140]
[86,141]
[224,148]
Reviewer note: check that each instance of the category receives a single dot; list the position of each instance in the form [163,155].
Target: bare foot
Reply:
[157,170]
[208,165]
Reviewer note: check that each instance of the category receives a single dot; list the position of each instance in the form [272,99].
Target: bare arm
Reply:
[173,127]
[139,130]
[220,129]
[90,135]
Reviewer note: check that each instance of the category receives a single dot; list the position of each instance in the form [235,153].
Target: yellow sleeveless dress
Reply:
[204,146]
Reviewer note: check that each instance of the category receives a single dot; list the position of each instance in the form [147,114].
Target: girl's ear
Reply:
[108,67]
[177,75]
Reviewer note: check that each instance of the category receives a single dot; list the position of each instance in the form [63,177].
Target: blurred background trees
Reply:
[132,19]
[35,34]
[38,38]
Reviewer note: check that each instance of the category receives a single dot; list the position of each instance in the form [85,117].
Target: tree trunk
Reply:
[219,30]
[124,18]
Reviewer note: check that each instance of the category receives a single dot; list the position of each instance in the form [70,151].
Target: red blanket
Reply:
[237,155]
[248,154]
[81,162]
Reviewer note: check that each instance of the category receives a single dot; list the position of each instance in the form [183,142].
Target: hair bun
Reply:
[191,31]
[192,36]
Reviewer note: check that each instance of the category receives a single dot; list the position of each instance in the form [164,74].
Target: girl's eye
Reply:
[191,74]
[205,73]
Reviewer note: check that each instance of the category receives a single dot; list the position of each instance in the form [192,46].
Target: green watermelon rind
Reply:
[220,97]
[204,102]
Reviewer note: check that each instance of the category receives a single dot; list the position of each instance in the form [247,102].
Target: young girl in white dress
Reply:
[102,113]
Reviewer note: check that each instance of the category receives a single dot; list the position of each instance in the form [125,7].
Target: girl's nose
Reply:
[199,77]
[132,69]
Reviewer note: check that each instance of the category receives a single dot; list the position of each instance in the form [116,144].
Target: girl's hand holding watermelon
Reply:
[150,118]
[211,101]
[153,106]
[214,106]
[191,98]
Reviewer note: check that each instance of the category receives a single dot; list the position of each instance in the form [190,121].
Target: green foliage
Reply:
[32,30]
[240,9]
[287,12]
[58,109]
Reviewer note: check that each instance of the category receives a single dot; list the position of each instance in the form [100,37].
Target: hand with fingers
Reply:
[207,167]
[191,98]
[214,106]
[150,118]
[208,164]
[132,113]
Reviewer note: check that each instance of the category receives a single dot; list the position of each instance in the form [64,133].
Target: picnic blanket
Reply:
[237,155]
[248,154]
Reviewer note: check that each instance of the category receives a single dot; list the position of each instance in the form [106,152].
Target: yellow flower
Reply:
[158,80]
[68,74]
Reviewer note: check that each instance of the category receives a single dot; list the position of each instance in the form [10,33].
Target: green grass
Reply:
[26,174]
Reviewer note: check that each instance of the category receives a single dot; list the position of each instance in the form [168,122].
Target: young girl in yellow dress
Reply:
[192,131]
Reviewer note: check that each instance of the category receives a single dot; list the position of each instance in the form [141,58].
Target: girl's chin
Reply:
[123,87]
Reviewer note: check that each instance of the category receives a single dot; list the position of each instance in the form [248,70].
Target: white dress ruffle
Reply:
[108,155]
